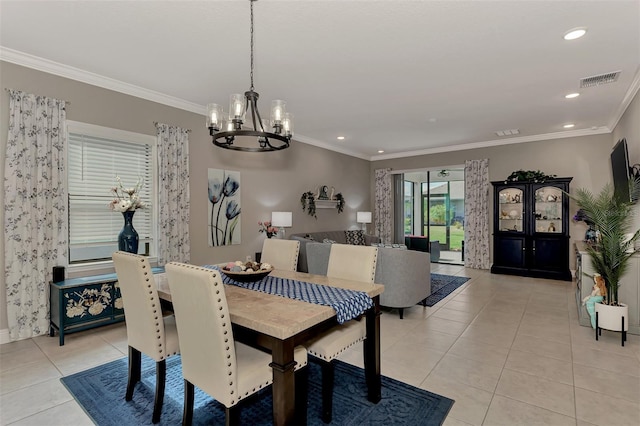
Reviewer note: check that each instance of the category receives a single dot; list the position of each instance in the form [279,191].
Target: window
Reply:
[408,207]
[96,155]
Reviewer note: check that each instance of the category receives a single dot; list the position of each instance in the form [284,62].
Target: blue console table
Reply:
[86,302]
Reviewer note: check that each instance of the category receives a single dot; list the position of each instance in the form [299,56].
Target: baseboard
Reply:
[4,336]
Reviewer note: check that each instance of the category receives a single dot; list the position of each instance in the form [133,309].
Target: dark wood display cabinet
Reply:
[531,228]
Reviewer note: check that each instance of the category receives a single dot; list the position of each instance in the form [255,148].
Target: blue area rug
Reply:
[100,391]
[442,286]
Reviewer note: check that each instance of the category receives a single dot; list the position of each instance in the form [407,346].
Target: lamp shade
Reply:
[283,219]
[363,217]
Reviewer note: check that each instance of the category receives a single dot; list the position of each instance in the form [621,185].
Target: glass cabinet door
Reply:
[547,215]
[510,216]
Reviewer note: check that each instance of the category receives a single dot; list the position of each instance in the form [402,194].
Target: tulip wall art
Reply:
[224,207]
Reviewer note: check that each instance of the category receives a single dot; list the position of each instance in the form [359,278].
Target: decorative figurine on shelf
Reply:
[323,193]
[516,198]
[332,196]
[552,198]
[597,295]
[590,235]
[552,227]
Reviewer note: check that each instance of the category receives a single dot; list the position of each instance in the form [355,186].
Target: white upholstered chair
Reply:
[350,262]
[227,370]
[148,331]
[281,254]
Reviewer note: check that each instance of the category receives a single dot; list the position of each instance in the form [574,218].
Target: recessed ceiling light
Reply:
[380,151]
[340,138]
[568,126]
[572,95]
[575,33]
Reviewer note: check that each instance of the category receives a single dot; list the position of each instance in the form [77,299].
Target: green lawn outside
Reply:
[438,233]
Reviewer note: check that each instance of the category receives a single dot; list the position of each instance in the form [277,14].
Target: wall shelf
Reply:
[326,204]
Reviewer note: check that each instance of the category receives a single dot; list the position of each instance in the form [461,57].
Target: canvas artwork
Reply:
[223,207]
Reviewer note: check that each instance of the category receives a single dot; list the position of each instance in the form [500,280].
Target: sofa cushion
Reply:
[308,237]
[355,238]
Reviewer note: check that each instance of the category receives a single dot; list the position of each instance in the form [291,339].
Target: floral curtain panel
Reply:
[173,195]
[476,208]
[384,204]
[36,214]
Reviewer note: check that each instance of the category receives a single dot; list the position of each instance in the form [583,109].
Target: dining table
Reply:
[279,324]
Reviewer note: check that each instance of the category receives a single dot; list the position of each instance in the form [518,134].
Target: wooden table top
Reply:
[278,316]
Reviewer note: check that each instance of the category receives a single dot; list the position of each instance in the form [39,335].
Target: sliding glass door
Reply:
[433,206]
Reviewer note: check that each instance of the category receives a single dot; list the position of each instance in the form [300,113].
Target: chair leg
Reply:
[401,310]
[302,394]
[134,372]
[328,373]
[232,416]
[161,373]
[187,413]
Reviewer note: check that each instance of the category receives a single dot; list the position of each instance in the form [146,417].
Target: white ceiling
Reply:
[408,77]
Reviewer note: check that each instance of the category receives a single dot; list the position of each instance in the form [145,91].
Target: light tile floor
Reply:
[509,350]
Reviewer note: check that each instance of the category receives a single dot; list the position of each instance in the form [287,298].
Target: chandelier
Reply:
[443,173]
[271,135]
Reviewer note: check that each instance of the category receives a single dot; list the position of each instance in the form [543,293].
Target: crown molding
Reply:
[56,68]
[491,143]
[631,93]
[311,141]
[51,67]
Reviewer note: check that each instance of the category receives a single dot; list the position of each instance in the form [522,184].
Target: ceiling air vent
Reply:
[596,80]
[508,132]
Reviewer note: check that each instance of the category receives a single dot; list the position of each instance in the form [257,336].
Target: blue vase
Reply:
[128,237]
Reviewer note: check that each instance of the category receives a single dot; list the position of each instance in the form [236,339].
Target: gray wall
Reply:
[270,182]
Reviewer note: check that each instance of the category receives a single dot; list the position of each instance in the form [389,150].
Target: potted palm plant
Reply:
[611,216]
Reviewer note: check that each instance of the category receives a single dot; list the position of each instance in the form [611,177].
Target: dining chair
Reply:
[227,370]
[149,332]
[351,262]
[281,254]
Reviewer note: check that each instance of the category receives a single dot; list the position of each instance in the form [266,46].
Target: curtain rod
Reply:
[6,89]
[156,123]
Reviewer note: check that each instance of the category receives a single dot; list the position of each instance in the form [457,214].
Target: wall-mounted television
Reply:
[621,170]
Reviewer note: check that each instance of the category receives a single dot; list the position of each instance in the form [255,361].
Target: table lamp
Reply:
[281,220]
[363,218]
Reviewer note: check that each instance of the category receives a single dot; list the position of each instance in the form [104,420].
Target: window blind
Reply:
[94,162]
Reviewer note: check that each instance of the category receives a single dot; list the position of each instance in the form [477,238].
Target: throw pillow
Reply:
[355,237]
[328,241]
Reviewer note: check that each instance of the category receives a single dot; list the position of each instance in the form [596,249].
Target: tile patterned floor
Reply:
[509,351]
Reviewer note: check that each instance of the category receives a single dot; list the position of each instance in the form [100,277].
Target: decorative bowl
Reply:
[247,276]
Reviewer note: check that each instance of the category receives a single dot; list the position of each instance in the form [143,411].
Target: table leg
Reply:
[284,393]
[372,352]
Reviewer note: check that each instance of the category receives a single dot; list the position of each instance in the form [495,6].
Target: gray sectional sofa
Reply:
[406,274]
[337,236]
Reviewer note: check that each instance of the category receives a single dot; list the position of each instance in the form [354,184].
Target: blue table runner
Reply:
[348,304]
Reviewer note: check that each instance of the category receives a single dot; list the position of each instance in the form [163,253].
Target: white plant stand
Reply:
[614,318]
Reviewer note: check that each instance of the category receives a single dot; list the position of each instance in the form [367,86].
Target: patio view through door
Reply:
[433,206]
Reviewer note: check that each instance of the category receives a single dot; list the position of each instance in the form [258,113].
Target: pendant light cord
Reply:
[251,1]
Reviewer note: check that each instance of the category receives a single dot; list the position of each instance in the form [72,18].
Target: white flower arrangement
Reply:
[126,199]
